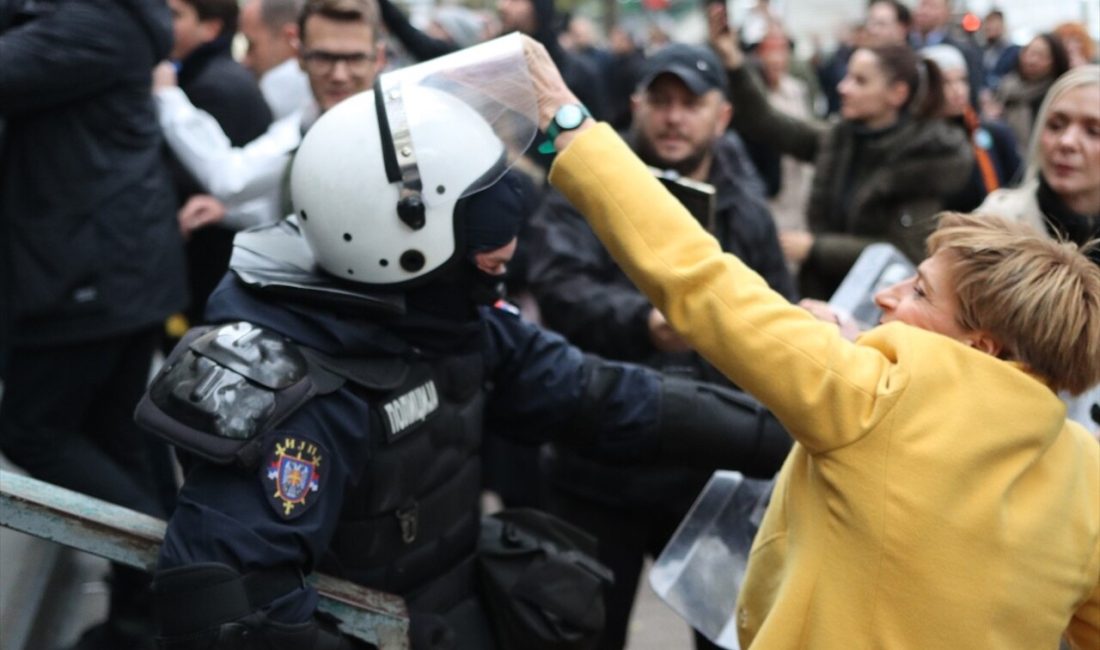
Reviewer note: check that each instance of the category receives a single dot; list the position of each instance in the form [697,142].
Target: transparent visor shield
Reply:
[481,97]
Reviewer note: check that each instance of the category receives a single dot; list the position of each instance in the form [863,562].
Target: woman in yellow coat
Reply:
[937,498]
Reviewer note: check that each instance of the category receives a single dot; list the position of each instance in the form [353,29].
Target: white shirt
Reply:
[248,179]
[285,88]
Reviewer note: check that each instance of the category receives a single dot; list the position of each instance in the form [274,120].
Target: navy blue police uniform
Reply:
[331,428]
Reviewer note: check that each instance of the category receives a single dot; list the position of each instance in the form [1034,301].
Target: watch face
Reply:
[569,116]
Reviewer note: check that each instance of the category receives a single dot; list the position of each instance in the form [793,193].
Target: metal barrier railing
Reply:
[121,535]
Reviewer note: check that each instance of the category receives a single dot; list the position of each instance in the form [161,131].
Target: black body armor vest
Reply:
[415,514]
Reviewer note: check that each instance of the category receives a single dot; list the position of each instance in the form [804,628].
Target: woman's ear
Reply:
[898,93]
[986,343]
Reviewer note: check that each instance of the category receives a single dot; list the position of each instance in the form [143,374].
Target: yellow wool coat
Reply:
[937,498]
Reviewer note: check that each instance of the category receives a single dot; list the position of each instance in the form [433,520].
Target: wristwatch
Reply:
[568,117]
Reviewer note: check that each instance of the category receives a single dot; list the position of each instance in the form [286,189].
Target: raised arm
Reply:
[753,116]
[232,174]
[826,391]
[419,44]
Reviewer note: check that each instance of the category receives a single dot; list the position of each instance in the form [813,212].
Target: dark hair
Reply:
[364,11]
[223,10]
[923,78]
[901,12]
[995,13]
[1059,58]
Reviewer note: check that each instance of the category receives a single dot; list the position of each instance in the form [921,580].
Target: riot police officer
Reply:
[333,414]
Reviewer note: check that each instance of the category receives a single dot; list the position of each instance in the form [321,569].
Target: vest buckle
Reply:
[408,518]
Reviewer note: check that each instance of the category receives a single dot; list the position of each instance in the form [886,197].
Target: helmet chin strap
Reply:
[398,153]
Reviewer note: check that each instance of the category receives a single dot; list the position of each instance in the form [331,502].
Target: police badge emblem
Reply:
[293,472]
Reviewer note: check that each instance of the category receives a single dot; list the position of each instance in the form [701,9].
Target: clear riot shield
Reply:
[699,574]
[878,266]
[1085,408]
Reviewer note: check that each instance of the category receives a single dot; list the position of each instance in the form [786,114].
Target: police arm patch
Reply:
[293,474]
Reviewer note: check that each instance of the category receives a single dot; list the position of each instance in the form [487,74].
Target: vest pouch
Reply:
[540,581]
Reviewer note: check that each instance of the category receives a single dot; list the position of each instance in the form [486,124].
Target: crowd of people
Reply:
[327,262]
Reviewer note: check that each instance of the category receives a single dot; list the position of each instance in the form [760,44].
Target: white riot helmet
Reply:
[377,177]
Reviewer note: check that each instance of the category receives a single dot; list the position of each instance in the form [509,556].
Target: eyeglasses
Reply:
[321,62]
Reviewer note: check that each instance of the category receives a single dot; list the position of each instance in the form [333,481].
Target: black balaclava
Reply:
[484,221]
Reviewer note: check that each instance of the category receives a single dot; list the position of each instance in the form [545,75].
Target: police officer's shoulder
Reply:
[224,385]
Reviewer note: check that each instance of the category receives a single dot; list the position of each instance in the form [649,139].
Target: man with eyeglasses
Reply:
[340,54]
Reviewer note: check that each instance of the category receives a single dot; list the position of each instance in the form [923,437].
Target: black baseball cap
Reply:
[695,65]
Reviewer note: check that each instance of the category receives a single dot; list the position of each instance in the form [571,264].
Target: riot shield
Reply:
[699,574]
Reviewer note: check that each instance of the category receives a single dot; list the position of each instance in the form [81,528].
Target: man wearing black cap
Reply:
[680,119]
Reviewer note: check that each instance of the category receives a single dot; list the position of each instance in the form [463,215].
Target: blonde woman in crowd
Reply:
[1060,195]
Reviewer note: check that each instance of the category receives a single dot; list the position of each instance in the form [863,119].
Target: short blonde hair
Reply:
[1038,297]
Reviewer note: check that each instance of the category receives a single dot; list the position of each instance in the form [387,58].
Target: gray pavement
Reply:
[654,625]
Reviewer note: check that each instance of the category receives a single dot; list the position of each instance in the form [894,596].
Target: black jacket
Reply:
[90,243]
[217,84]
[222,87]
[584,295]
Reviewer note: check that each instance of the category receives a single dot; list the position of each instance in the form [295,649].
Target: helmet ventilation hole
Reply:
[351,271]
[440,189]
[383,262]
[347,236]
[304,217]
[412,260]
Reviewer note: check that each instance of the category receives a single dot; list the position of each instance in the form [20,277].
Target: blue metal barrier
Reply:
[121,535]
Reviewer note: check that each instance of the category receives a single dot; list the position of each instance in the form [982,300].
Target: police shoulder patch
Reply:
[292,474]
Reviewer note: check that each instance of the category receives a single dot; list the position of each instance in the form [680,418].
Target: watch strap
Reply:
[555,129]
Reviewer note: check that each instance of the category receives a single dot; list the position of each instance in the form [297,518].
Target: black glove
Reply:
[211,607]
[709,426]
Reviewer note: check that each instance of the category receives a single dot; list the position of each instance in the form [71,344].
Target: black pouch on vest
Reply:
[542,586]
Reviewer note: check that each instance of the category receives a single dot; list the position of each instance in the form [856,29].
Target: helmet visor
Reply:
[495,112]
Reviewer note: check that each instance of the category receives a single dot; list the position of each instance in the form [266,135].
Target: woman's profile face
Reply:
[1036,61]
[866,93]
[956,91]
[1069,143]
[927,300]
